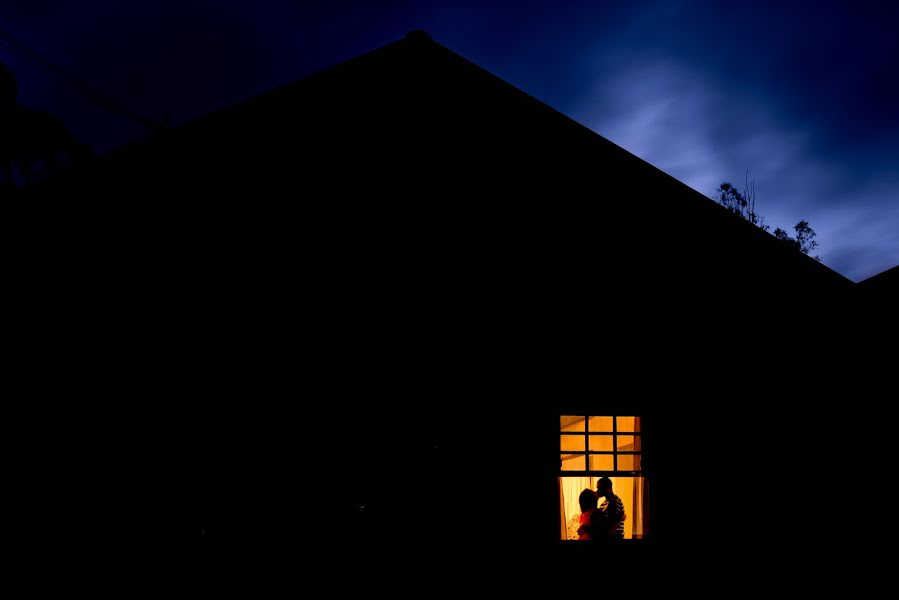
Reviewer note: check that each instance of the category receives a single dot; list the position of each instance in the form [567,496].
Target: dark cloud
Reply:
[804,96]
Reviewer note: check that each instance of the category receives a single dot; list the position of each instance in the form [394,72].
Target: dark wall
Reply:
[395,273]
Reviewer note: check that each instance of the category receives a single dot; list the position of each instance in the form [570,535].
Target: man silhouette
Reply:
[613,508]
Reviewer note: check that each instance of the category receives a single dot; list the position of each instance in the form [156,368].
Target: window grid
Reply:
[587,452]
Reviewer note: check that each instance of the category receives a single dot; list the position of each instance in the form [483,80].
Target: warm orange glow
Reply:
[601,424]
[574,462]
[602,462]
[629,489]
[628,442]
[629,462]
[601,442]
[572,424]
[592,447]
[574,443]
[627,424]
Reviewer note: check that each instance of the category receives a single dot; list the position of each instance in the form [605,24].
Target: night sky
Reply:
[804,96]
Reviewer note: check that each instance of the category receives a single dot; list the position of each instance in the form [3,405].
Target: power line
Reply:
[77,84]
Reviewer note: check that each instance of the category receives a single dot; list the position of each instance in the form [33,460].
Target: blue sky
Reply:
[804,96]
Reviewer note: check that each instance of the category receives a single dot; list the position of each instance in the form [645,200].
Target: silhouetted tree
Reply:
[783,236]
[743,205]
[33,144]
[804,237]
[804,240]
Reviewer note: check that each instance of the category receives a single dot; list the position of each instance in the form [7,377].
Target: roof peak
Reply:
[418,35]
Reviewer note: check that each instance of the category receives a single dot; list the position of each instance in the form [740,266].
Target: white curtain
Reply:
[571,508]
[629,489]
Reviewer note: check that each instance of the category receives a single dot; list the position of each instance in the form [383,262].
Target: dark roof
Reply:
[428,162]
[885,282]
[877,302]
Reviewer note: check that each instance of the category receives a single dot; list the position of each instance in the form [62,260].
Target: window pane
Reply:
[628,462]
[572,443]
[629,489]
[628,424]
[601,442]
[571,423]
[602,462]
[601,424]
[629,442]
[574,462]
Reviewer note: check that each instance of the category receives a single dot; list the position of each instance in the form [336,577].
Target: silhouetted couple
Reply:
[605,522]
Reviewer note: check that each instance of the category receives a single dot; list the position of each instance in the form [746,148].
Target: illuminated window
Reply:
[592,447]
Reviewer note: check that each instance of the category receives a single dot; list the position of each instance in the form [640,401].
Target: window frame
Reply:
[587,453]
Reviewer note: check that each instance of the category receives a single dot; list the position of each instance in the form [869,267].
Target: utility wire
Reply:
[77,84]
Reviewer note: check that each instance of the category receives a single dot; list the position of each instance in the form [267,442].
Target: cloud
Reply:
[688,86]
[702,133]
